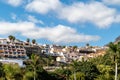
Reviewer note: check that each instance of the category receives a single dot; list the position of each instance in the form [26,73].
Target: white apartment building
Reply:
[12,49]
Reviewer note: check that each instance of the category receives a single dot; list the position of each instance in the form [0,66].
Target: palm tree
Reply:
[115,49]
[11,38]
[33,41]
[28,40]
[34,59]
[34,64]
[87,44]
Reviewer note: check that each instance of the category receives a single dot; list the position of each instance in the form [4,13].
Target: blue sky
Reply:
[64,22]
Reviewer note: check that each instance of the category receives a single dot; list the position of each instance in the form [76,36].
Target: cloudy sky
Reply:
[65,22]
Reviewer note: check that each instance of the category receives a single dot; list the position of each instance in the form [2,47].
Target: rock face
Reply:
[117,39]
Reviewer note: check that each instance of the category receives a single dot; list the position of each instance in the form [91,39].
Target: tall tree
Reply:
[34,64]
[11,37]
[87,44]
[115,49]
[33,41]
[28,40]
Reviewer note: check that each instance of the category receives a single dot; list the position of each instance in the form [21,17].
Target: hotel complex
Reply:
[12,49]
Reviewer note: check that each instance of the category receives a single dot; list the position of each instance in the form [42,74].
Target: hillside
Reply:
[117,39]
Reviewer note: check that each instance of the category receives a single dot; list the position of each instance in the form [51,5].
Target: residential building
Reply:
[32,49]
[12,49]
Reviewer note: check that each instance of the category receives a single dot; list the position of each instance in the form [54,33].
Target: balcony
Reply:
[5,55]
[1,51]
[14,53]
[6,52]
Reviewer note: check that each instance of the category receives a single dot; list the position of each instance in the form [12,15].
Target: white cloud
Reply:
[34,20]
[57,34]
[11,28]
[61,33]
[94,12]
[117,19]
[14,2]
[43,6]
[112,2]
[78,12]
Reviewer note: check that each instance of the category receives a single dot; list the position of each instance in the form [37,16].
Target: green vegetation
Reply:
[79,76]
[33,41]
[11,38]
[28,40]
[100,68]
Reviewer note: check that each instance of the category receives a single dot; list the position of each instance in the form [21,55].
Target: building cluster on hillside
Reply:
[22,50]
[69,53]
